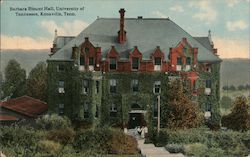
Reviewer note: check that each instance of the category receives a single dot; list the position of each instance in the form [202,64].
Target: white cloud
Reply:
[234,25]
[232,3]
[228,48]
[26,42]
[18,42]
[159,14]
[177,8]
[66,29]
[206,11]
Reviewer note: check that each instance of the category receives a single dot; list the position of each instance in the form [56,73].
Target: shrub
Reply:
[105,141]
[239,118]
[49,147]
[62,136]
[175,148]
[50,122]
[196,149]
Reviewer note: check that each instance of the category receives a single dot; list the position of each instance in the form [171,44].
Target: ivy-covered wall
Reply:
[212,99]
[99,102]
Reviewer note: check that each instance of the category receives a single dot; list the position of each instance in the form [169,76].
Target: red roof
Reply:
[7,118]
[25,105]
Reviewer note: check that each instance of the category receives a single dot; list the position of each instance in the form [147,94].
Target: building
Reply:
[113,70]
[21,108]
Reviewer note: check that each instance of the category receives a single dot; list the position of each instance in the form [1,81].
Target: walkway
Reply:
[149,150]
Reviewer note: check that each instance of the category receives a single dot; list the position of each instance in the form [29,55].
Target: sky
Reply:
[228,20]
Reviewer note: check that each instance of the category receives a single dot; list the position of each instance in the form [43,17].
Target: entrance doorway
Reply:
[136,119]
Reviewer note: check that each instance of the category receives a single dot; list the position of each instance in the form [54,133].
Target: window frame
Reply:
[85,86]
[157,85]
[135,85]
[133,63]
[91,61]
[112,86]
[110,64]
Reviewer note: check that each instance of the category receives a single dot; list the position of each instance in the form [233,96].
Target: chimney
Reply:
[122,32]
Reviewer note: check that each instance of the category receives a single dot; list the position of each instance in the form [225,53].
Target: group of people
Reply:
[142,131]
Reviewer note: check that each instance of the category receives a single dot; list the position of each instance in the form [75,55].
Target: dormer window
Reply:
[188,63]
[157,66]
[91,63]
[179,64]
[82,60]
[87,49]
[112,63]
[135,63]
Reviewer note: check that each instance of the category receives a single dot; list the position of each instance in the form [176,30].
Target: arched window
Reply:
[135,106]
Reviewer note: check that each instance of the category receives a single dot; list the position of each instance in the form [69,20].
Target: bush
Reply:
[49,147]
[175,148]
[105,141]
[239,118]
[50,122]
[62,136]
[196,149]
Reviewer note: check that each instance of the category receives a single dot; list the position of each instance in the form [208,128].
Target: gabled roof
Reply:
[61,41]
[25,105]
[146,34]
[205,42]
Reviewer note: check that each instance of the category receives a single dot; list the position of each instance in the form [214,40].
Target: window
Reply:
[208,87]
[208,83]
[61,87]
[87,49]
[113,110]
[135,85]
[97,111]
[91,61]
[112,63]
[86,110]
[60,68]
[208,107]
[135,63]
[60,109]
[85,86]
[179,61]
[158,61]
[82,60]
[157,87]
[97,86]
[112,86]
[157,66]
[188,61]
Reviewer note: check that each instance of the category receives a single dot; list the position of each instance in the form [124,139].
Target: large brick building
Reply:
[113,70]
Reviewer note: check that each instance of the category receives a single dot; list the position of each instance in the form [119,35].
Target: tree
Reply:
[239,118]
[37,82]
[178,111]
[226,102]
[15,80]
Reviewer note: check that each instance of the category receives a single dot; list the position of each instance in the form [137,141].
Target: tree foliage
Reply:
[178,111]
[225,102]
[15,80]
[239,118]
[37,82]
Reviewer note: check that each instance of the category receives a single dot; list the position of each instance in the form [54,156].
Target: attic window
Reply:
[112,63]
[82,60]
[179,61]
[188,61]
[87,49]
[158,61]
[91,61]
[135,63]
